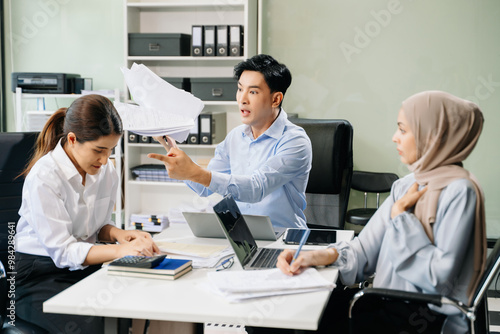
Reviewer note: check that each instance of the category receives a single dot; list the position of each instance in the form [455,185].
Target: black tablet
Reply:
[316,237]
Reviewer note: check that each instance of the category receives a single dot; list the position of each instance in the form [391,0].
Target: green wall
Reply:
[358,60]
[355,60]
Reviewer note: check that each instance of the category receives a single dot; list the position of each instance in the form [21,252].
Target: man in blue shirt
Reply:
[265,162]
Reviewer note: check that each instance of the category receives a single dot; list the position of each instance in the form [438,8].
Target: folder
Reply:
[212,128]
[236,40]
[210,41]
[222,41]
[144,139]
[132,137]
[194,135]
[197,41]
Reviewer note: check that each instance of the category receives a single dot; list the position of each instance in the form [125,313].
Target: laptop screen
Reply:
[236,229]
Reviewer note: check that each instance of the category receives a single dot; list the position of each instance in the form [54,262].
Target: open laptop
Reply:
[206,225]
[237,232]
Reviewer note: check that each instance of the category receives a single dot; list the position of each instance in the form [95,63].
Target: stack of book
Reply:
[168,269]
[151,172]
[149,223]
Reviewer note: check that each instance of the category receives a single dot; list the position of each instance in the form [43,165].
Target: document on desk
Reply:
[161,109]
[239,285]
[203,256]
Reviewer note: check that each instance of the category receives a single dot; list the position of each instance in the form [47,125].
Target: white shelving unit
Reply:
[178,16]
[29,118]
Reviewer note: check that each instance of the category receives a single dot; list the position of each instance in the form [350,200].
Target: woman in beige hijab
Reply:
[429,234]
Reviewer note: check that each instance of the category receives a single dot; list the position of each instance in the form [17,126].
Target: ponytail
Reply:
[47,139]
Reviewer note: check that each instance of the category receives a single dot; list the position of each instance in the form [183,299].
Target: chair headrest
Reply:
[331,141]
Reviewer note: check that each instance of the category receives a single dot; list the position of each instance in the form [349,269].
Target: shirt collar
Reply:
[64,162]
[275,130]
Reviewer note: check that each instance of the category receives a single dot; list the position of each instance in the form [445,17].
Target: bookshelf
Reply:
[175,16]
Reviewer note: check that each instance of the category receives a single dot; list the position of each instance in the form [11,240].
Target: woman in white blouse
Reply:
[429,234]
[68,197]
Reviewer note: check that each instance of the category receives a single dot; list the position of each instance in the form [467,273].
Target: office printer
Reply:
[45,83]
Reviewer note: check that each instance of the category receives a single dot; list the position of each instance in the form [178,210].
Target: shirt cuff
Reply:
[77,256]
[219,182]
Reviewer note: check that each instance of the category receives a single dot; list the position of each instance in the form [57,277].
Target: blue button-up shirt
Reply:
[266,176]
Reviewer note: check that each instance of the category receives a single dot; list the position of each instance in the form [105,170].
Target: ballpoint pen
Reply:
[302,242]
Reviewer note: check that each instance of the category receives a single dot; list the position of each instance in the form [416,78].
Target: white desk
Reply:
[185,300]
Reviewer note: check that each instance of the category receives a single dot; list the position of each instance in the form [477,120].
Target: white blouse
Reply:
[60,217]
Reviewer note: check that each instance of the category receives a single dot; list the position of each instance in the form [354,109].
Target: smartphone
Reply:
[316,237]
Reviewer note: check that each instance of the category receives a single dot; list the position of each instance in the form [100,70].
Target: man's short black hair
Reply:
[277,75]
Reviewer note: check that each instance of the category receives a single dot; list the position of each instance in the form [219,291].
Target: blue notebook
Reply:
[167,269]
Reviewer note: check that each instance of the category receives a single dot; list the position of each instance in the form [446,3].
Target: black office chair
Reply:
[329,182]
[368,182]
[16,149]
[476,313]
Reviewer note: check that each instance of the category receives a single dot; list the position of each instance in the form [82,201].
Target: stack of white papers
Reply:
[240,285]
[160,109]
[148,222]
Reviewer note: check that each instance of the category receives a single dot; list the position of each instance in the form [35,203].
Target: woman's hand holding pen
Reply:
[305,260]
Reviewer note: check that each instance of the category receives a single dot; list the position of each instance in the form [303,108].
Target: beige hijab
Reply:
[446,130]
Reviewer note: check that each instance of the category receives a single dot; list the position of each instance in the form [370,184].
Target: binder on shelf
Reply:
[194,134]
[236,40]
[198,38]
[144,139]
[210,41]
[212,128]
[133,138]
[222,40]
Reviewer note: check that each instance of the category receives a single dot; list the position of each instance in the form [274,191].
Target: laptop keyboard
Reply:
[267,258]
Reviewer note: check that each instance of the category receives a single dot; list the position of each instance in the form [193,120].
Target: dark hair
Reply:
[277,76]
[89,117]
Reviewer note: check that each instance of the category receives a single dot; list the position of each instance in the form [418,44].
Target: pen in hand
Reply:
[302,242]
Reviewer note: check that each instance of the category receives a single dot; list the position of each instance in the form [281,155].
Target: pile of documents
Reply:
[203,256]
[149,223]
[160,108]
[240,285]
[152,173]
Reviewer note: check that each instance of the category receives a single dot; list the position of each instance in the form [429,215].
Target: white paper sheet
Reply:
[240,285]
[161,109]
[244,281]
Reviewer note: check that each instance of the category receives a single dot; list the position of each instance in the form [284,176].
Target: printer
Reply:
[45,83]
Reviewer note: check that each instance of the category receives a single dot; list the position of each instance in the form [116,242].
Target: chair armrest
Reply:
[402,295]
[434,299]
